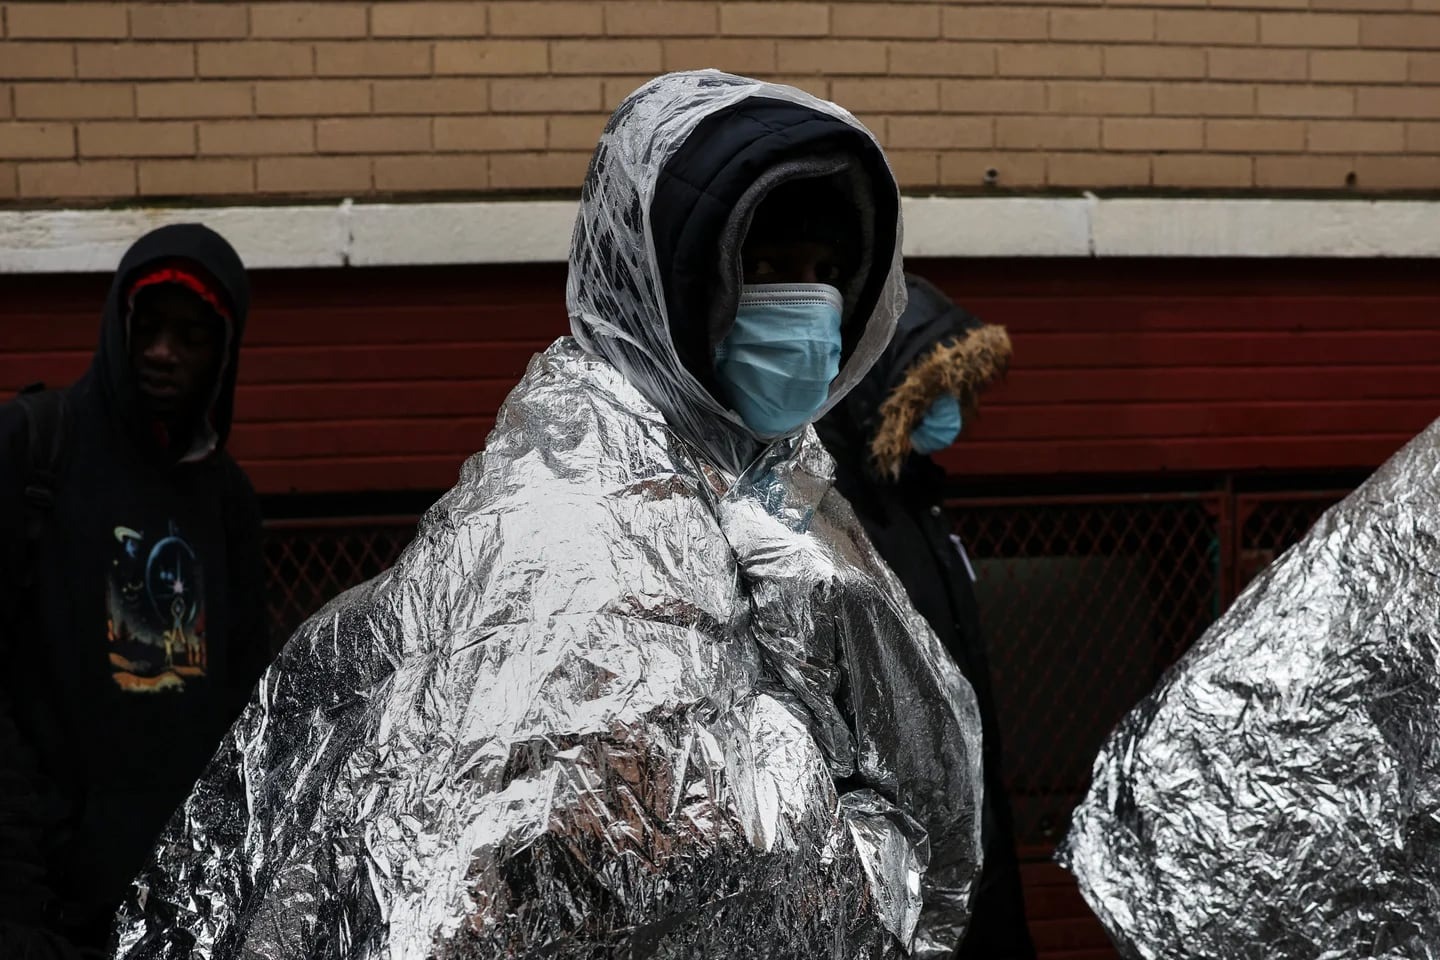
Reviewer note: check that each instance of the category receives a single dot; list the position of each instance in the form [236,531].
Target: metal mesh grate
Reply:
[1271,523]
[309,562]
[1085,603]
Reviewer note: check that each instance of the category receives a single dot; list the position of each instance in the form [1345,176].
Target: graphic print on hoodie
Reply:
[144,629]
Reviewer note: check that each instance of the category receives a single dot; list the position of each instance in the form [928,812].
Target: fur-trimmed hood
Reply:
[938,348]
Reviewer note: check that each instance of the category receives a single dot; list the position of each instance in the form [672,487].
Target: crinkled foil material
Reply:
[1278,795]
[615,700]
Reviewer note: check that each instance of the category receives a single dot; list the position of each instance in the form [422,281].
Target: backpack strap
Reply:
[45,432]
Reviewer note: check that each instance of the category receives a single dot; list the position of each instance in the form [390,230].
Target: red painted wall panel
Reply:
[386,379]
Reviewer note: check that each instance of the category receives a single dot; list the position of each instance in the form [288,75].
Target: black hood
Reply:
[112,368]
[933,330]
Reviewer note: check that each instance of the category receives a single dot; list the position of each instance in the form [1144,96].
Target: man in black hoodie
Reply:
[909,406]
[131,606]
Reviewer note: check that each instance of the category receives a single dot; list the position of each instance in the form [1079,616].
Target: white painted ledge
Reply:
[364,235]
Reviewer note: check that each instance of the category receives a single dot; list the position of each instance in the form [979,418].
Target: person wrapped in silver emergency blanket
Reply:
[640,687]
[1278,795]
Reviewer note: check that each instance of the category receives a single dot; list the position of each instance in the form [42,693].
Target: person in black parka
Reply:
[909,406]
[132,616]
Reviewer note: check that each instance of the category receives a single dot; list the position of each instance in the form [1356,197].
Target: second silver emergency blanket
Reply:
[1278,796]
[601,705]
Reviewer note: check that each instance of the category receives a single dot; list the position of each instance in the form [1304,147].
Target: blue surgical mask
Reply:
[778,361]
[939,427]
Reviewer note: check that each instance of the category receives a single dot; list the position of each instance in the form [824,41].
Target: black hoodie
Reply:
[142,631]
[899,500]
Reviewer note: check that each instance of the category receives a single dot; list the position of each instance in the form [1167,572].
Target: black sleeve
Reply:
[249,630]
[26,801]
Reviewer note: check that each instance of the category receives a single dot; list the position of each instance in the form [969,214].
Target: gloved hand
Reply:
[939,427]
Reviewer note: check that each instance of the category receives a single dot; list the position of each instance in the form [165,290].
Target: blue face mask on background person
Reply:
[778,361]
[939,427]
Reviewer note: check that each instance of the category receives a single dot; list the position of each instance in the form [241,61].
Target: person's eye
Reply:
[760,268]
[199,335]
[828,273]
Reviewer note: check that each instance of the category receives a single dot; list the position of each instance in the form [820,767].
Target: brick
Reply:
[493,57]
[815,86]
[256,58]
[1155,62]
[605,56]
[1302,173]
[1357,66]
[1398,173]
[1107,24]
[246,138]
[1309,30]
[135,61]
[37,61]
[1257,64]
[189,21]
[915,168]
[1362,6]
[546,19]
[737,56]
[487,134]
[65,21]
[573,132]
[981,23]
[877,125]
[325,175]
[1151,134]
[969,169]
[1202,171]
[1404,103]
[1410,31]
[36,141]
[309,21]
[74,101]
[205,100]
[298,98]
[549,95]
[433,96]
[1422,137]
[1356,136]
[1046,61]
[130,139]
[1097,170]
[5,103]
[1425,67]
[95,179]
[908,95]
[668,19]
[936,59]
[992,96]
[517,171]
[832,56]
[454,172]
[940,133]
[1088,98]
[1047,133]
[1262,4]
[885,20]
[1204,99]
[421,19]
[1255,136]
[190,178]
[1218,27]
[1287,101]
[374,58]
[373,135]
[9,182]
[774,18]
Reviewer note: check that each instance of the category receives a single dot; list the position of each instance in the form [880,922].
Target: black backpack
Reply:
[46,433]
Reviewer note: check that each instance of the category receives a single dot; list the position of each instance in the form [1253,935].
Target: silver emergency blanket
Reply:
[615,700]
[1278,795]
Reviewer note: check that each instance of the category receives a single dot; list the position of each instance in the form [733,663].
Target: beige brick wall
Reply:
[104,102]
